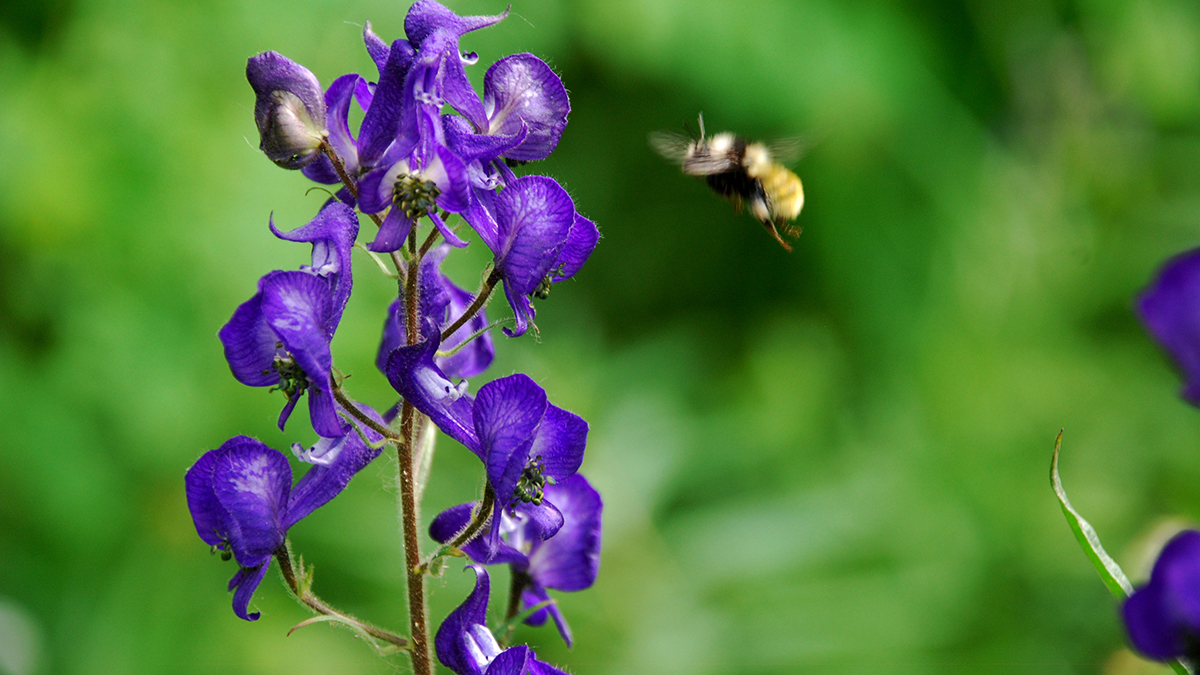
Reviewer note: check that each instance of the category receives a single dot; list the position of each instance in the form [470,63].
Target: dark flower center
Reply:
[225,549]
[531,484]
[414,196]
[292,380]
[543,288]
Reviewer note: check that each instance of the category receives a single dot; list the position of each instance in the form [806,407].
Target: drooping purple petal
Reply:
[332,234]
[458,646]
[507,412]
[289,109]
[560,442]
[337,103]
[413,374]
[514,661]
[1170,308]
[450,522]
[252,482]
[521,91]
[523,311]
[570,560]
[243,584]
[534,595]
[325,481]
[580,244]
[470,146]
[250,343]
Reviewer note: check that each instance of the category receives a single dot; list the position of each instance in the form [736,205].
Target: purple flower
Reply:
[537,238]
[1163,617]
[443,302]
[289,109]
[280,337]
[465,645]
[337,100]
[413,373]
[1170,308]
[243,503]
[525,106]
[568,561]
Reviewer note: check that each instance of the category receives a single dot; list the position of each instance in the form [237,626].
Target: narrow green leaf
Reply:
[1110,572]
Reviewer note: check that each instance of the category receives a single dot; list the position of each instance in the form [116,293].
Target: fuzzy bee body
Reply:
[744,173]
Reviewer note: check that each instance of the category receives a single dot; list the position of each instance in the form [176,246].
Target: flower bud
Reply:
[289,109]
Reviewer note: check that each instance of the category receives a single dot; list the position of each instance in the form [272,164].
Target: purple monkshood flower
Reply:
[568,561]
[1170,309]
[537,239]
[337,101]
[243,503]
[289,109]
[280,337]
[1163,617]
[444,303]
[523,440]
[526,108]
[465,645]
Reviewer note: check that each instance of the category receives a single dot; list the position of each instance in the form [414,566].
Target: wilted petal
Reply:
[521,91]
[1170,308]
[289,109]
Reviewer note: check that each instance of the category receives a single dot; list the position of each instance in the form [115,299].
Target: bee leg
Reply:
[770,227]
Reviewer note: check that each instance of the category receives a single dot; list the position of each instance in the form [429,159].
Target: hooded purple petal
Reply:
[459,647]
[560,442]
[427,16]
[1170,308]
[413,374]
[289,109]
[332,234]
[522,92]
[1163,617]
[243,584]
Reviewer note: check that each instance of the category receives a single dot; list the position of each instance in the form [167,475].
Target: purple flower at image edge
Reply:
[243,502]
[289,109]
[465,645]
[568,561]
[1163,617]
[1170,309]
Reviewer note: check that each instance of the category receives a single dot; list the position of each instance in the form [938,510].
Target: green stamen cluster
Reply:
[414,196]
[532,484]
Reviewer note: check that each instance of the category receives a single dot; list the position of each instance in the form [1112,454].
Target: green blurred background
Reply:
[830,461]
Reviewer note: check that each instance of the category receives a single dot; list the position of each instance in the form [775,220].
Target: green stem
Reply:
[481,299]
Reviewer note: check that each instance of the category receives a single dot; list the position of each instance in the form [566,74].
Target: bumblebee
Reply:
[743,172]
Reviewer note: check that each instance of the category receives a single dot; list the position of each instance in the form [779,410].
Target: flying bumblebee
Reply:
[744,173]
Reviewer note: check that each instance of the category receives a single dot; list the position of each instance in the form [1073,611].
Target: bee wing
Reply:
[669,144]
[789,150]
